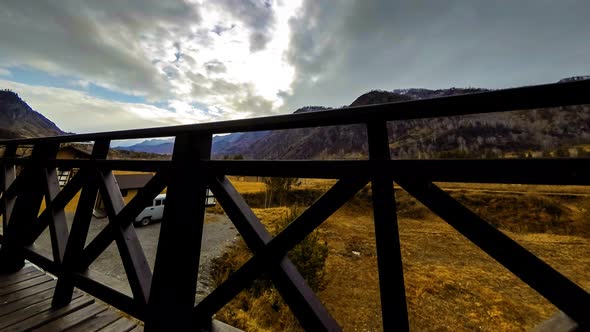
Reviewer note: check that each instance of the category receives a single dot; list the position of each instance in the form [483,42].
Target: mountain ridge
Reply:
[475,136]
[19,120]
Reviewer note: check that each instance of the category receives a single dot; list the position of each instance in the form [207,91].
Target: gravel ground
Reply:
[218,234]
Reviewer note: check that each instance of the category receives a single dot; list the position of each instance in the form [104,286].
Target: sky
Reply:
[93,66]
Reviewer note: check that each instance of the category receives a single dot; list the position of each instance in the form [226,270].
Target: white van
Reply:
[156,210]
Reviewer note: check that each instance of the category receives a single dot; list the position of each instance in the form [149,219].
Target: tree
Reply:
[277,188]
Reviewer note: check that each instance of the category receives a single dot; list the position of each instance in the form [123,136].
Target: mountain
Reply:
[158,146]
[536,132]
[17,119]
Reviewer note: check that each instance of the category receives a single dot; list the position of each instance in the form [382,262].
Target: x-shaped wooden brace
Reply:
[555,287]
[120,229]
[7,181]
[34,182]
[270,253]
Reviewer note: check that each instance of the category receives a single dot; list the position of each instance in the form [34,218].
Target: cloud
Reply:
[215,67]
[5,72]
[257,16]
[218,29]
[108,43]
[340,52]
[174,54]
[76,111]
[240,98]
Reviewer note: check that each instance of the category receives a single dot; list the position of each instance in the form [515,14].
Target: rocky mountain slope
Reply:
[558,131]
[536,132]
[17,119]
[159,146]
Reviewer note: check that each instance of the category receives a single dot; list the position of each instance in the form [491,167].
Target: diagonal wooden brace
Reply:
[275,251]
[136,266]
[306,306]
[124,218]
[559,290]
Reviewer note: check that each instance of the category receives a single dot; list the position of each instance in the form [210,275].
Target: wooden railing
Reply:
[165,299]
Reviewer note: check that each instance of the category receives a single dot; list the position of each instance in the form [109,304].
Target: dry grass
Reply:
[518,188]
[451,285]
[248,187]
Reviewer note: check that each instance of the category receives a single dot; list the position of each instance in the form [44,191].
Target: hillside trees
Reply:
[277,188]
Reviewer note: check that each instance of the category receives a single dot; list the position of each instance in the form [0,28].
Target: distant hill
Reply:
[18,120]
[543,132]
[158,146]
[536,132]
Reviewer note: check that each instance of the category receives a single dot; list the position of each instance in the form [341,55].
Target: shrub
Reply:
[260,307]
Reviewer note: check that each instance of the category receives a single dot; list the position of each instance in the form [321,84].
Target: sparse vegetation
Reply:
[450,283]
[260,307]
[276,190]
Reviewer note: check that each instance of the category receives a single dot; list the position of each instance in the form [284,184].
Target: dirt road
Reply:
[218,233]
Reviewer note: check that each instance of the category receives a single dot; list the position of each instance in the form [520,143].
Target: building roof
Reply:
[77,151]
[132,181]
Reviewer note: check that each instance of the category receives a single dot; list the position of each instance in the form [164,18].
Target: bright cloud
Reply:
[224,56]
[154,63]
[76,111]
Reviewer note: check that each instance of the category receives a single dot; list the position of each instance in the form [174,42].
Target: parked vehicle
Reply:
[155,212]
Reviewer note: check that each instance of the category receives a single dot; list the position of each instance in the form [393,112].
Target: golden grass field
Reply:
[451,285]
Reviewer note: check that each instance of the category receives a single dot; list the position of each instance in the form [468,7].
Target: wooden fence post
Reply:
[172,296]
[80,226]
[26,208]
[389,259]
[6,179]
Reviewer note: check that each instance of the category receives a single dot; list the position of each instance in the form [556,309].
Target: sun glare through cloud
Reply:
[171,62]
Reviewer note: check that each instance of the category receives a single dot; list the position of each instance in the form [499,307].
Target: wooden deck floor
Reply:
[25,305]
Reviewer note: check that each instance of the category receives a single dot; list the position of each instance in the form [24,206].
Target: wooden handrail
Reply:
[168,295]
[523,98]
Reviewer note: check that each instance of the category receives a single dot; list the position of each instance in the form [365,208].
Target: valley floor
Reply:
[451,285]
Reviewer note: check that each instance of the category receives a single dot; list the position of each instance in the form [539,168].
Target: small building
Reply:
[129,184]
[72,152]
[69,152]
[248,178]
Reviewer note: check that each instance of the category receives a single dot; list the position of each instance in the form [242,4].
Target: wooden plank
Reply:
[10,276]
[303,302]
[555,287]
[73,318]
[121,325]
[566,171]
[24,284]
[86,282]
[25,313]
[135,263]
[65,195]
[127,215]
[27,292]
[40,260]
[100,321]
[276,249]
[103,165]
[394,310]
[19,277]
[30,300]
[7,178]
[26,208]
[58,228]
[79,231]
[522,98]
[48,314]
[174,284]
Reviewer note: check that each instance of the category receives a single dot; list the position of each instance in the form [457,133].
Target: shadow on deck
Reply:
[25,304]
